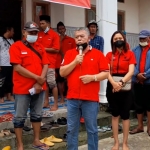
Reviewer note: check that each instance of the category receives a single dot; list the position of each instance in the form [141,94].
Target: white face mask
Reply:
[31,38]
[46,30]
[143,44]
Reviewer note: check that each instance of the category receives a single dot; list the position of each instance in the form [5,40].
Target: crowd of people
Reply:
[45,61]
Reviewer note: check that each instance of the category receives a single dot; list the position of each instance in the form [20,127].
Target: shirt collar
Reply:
[117,52]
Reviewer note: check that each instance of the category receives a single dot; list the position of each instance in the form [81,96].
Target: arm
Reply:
[52,50]
[24,72]
[129,75]
[67,69]
[102,44]
[44,71]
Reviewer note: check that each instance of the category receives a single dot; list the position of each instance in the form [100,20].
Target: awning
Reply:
[77,3]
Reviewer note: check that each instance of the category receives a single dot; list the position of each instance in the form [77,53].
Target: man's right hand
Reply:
[38,88]
[140,77]
[79,59]
[40,80]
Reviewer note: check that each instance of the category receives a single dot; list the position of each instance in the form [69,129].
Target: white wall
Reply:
[131,8]
[57,14]
[144,14]
[28,10]
[74,16]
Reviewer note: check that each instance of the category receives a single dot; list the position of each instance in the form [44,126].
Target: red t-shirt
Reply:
[66,44]
[20,54]
[50,40]
[94,62]
[121,61]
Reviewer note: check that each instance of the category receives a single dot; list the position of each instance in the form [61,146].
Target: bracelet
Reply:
[95,78]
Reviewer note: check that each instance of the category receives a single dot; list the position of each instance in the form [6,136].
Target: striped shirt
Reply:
[97,42]
[4,51]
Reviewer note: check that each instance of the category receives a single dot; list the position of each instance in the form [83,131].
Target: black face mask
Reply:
[119,43]
[84,45]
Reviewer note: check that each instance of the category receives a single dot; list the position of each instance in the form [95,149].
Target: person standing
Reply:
[122,62]
[141,81]
[51,42]
[66,43]
[95,40]
[84,67]
[30,65]
[5,67]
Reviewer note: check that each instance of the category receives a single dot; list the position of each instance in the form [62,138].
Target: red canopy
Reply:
[77,3]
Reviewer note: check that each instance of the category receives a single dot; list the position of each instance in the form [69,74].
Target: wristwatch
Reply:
[123,83]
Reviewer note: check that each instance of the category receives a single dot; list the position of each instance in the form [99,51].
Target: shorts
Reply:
[142,98]
[58,77]
[51,80]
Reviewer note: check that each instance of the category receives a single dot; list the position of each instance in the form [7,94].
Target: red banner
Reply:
[77,3]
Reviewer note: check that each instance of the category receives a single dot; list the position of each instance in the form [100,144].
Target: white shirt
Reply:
[4,51]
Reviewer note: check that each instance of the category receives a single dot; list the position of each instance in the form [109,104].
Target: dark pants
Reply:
[7,72]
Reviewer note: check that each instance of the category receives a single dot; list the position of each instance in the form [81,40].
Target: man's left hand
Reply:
[86,78]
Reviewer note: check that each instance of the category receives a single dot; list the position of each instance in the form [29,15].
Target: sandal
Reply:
[7,148]
[52,138]
[62,121]
[52,123]
[6,132]
[25,128]
[45,127]
[41,147]
[135,131]
[47,142]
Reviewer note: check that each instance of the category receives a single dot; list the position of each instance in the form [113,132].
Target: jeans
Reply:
[89,111]
[22,103]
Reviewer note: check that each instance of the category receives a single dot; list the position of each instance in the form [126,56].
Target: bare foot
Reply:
[125,147]
[20,147]
[53,108]
[115,147]
[1,100]
[46,105]
[62,101]
[11,98]
[38,143]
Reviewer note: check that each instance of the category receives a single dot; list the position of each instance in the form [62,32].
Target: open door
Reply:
[10,13]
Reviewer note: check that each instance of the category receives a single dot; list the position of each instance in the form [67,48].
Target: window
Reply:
[40,9]
[90,14]
[121,20]
[121,1]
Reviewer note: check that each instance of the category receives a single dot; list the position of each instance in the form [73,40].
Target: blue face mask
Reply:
[31,38]
[46,30]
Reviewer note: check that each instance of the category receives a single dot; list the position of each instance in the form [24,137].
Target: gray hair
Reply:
[83,29]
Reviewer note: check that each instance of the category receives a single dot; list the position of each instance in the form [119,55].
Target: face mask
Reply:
[119,43]
[46,30]
[31,38]
[143,44]
[84,45]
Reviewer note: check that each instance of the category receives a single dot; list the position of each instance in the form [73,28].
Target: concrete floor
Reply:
[140,141]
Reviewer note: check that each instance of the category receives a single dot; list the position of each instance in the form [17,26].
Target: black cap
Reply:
[45,17]
[31,26]
[92,22]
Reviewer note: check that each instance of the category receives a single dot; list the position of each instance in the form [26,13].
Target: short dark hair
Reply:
[113,47]
[60,24]
[7,28]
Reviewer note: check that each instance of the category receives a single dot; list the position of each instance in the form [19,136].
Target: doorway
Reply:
[10,13]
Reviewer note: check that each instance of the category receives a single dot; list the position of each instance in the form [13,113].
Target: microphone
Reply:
[80,50]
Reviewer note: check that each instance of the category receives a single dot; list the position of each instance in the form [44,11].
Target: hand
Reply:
[38,88]
[86,79]
[117,86]
[141,77]
[40,80]
[79,59]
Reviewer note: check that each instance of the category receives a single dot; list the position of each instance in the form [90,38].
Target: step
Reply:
[103,120]
[83,138]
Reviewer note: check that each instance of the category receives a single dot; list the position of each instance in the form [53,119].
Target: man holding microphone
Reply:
[83,67]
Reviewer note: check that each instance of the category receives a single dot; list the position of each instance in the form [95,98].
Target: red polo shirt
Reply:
[50,40]
[66,44]
[20,54]
[121,61]
[94,62]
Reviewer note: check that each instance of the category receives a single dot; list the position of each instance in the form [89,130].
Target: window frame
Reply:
[122,13]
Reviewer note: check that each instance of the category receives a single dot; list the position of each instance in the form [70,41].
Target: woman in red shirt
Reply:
[122,62]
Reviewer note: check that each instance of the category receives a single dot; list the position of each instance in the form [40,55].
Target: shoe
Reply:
[82,120]
[7,148]
[47,142]
[54,139]
[62,121]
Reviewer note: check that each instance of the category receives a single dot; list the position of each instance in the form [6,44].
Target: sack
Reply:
[2,79]
[127,85]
